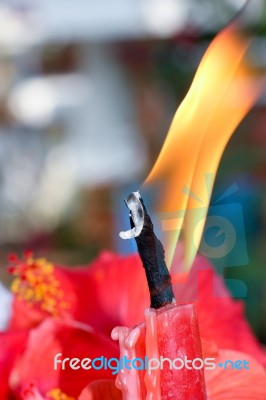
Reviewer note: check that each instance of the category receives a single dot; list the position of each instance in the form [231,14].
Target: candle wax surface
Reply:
[171,332]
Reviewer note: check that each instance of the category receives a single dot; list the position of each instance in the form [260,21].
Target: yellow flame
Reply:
[221,94]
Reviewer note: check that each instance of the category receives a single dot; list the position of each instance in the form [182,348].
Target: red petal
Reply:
[28,314]
[234,384]
[73,341]
[101,390]
[111,291]
[221,318]
[31,393]
[118,291]
[11,344]
[24,316]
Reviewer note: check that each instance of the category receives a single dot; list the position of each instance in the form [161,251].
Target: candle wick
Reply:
[136,214]
[151,252]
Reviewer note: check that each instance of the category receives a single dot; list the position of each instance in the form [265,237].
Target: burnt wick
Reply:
[150,250]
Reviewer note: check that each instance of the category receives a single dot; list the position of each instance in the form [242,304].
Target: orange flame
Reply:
[221,94]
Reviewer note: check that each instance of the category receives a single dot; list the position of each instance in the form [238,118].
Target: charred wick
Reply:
[152,254]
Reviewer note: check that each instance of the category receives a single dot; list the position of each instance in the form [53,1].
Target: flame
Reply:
[221,94]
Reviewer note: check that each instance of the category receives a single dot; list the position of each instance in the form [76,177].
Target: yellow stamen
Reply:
[57,394]
[36,283]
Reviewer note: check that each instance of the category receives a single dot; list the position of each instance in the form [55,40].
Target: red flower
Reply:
[65,339]
[11,346]
[234,384]
[222,384]
[111,291]
[31,393]
[100,390]
[221,318]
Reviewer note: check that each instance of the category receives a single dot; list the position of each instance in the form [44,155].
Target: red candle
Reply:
[170,340]
[162,358]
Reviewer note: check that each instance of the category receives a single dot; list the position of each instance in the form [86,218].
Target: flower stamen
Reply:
[36,283]
[57,394]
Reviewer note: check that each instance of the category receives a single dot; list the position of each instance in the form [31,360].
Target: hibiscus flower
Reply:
[66,340]
[221,384]
[112,291]
[72,311]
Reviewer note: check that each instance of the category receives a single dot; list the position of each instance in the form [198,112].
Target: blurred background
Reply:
[87,92]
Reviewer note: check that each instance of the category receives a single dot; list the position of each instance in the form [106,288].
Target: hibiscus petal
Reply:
[118,286]
[103,389]
[111,291]
[31,393]
[221,318]
[236,384]
[41,290]
[11,345]
[71,340]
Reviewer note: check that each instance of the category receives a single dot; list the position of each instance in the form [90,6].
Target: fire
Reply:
[221,94]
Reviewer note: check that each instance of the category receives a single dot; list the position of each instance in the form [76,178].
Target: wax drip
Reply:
[127,380]
[152,378]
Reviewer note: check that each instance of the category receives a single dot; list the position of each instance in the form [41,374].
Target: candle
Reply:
[224,89]
[165,351]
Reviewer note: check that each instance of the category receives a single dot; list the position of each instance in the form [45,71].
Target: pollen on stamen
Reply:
[35,283]
[57,394]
